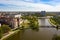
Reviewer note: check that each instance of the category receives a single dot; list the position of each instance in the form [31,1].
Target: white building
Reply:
[16,21]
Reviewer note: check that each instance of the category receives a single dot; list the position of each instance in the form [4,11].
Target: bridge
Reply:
[44,17]
[56,27]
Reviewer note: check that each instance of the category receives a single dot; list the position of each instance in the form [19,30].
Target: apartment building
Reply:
[12,20]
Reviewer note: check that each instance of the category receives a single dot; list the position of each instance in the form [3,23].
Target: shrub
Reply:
[0,33]
[5,28]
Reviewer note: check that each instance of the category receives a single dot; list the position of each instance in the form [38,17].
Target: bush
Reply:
[5,28]
[0,33]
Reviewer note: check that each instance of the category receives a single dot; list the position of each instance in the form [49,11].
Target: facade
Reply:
[43,13]
[17,20]
[10,19]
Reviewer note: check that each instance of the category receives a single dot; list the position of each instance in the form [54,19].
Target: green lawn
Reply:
[14,36]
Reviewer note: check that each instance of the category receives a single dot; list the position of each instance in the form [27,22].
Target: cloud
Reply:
[28,0]
[28,5]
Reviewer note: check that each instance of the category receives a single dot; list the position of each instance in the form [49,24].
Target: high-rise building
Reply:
[43,13]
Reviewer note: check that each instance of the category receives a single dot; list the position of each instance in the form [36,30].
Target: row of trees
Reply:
[4,29]
[56,20]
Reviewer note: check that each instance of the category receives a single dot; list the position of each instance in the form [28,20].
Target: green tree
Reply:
[1,34]
[5,28]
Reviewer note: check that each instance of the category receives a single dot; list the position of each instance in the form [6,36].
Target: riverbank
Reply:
[51,22]
[8,35]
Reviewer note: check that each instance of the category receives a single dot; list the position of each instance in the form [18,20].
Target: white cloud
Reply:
[26,6]
[27,0]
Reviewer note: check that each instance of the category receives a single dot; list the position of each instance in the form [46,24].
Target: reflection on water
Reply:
[56,37]
[44,22]
[41,34]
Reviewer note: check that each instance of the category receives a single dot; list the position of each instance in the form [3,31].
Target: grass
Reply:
[13,36]
[52,22]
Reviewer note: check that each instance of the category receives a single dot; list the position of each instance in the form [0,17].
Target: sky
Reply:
[30,5]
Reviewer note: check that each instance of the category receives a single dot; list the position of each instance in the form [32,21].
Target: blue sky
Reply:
[29,5]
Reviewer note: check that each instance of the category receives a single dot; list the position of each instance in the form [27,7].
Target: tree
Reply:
[1,34]
[5,28]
